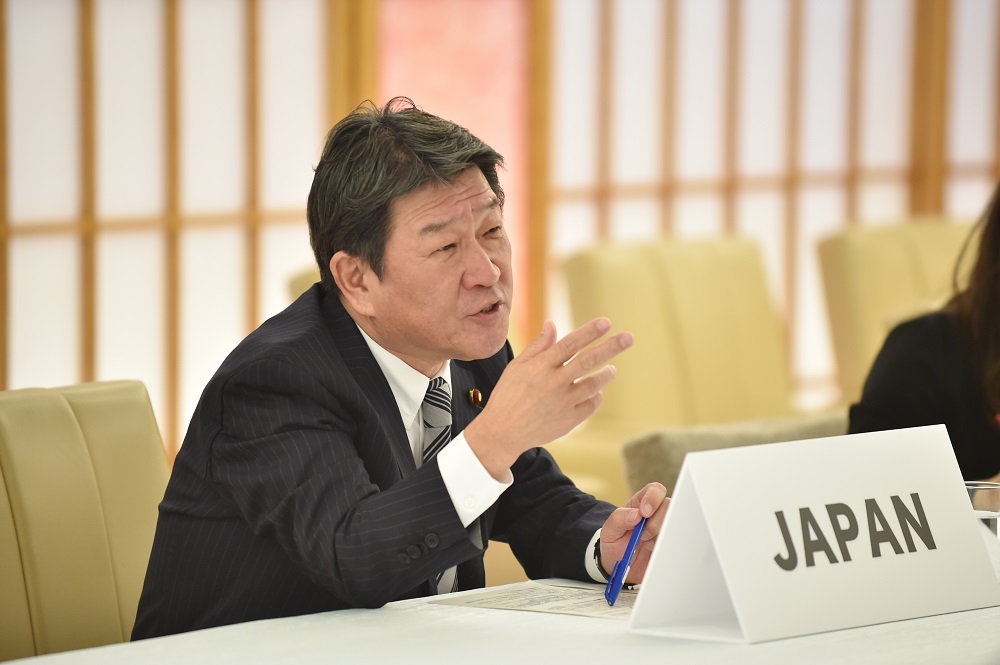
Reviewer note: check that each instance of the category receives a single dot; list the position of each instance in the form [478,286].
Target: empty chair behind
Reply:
[300,282]
[82,470]
[657,456]
[876,277]
[709,347]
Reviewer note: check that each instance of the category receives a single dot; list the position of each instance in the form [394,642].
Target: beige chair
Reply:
[301,281]
[82,470]
[876,277]
[709,347]
[657,456]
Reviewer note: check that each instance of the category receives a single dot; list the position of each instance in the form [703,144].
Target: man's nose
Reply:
[480,269]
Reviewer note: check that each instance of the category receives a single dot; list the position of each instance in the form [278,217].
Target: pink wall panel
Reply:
[467,61]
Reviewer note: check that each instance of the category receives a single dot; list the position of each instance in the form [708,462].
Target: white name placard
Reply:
[785,539]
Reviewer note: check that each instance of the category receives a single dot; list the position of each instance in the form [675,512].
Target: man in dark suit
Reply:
[365,444]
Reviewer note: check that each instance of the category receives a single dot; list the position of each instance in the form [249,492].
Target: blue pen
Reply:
[620,571]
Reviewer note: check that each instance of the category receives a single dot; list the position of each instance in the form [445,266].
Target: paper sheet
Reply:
[551,596]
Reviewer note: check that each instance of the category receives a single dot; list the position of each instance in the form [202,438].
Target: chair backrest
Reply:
[876,277]
[301,281]
[657,456]
[82,470]
[709,344]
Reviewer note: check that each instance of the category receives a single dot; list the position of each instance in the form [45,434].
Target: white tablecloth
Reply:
[418,632]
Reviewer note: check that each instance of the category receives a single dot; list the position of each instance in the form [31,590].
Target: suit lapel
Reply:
[462,410]
[361,363]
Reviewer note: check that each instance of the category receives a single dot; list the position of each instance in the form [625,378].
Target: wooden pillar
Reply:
[928,115]
[88,192]
[351,36]
[539,90]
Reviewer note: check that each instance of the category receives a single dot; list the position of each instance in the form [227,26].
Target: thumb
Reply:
[544,340]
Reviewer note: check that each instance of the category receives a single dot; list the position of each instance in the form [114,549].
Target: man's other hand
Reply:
[650,502]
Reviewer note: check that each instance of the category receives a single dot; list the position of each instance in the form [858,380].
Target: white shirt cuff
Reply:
[591,562]
[471,487]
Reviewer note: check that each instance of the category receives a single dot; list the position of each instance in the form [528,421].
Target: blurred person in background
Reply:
[365,444]
[944,366]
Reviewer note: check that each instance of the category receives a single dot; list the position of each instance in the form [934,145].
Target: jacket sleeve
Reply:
[289,458]
[547,520]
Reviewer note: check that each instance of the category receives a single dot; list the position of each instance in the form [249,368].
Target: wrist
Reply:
[488,452]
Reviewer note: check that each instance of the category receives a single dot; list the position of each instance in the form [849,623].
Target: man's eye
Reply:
[450,245]
[495,230]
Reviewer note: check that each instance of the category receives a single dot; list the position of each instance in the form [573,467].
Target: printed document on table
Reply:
[555,596]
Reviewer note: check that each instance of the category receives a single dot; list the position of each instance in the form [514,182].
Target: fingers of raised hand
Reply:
[542,341]
[592,384]
[574,342]
[594,357]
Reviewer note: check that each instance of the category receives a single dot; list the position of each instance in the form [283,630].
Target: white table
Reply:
[416,632]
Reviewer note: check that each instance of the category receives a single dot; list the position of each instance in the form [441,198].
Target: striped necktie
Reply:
[436,411]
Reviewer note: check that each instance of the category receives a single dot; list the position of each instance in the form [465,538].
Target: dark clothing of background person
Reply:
[925,375]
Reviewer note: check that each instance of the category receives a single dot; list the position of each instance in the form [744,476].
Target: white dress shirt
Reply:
[471,487]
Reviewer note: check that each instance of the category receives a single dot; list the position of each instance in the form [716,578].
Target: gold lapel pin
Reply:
[475,397]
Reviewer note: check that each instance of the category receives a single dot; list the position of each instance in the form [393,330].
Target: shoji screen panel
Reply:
[43,163]
[575,154]
[883,101]
[44,310]
[129,81]
[818,203]
[212,309]
[213,81]
[290,76]
[43,136]
[214,188]
[284,252]
[158,156]
[761,139]
[634,154]
[781,120]
[132,332]
[700,93]
[130,146]
[971,129]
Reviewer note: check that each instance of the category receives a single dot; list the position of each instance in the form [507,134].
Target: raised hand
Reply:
[549,389]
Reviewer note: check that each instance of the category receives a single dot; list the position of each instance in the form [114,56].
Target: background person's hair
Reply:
[977,306]
[374,156]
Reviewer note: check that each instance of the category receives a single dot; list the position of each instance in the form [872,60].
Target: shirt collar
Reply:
[407,384]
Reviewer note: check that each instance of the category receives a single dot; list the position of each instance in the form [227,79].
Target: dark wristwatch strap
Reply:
[597,560]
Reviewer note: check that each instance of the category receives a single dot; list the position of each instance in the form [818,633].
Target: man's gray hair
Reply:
[374,156]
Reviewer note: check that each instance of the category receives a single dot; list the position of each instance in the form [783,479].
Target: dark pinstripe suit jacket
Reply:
[295,490]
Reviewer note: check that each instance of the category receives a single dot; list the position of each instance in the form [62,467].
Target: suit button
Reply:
[403,559]
[413,552]
[432,540]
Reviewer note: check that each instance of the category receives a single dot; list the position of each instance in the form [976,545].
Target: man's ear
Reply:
[353,275]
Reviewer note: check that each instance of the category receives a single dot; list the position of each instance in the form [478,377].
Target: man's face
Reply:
[446,286]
